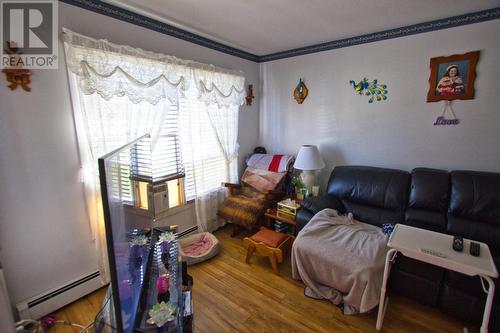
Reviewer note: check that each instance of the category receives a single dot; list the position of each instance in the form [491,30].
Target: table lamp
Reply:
[308,160]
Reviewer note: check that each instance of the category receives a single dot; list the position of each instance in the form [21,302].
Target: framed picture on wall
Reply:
[452,77]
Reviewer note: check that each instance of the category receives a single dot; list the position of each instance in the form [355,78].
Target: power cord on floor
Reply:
[87,328]
[29,326]
[84,329]
[39,326]
[65,322]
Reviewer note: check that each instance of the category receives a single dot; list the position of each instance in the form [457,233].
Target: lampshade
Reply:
[309,158]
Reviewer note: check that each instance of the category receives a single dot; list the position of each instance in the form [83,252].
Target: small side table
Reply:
[435,248]
[273,214]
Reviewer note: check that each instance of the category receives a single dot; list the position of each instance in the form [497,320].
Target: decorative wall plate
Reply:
[16,76]
[300,93]
[249,97]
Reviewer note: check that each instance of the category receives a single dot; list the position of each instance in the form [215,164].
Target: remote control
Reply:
[475,249]
[458,243]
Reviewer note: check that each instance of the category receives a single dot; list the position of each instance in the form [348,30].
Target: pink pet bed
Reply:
[198,247]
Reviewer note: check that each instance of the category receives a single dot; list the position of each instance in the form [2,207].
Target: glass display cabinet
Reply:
[146,293]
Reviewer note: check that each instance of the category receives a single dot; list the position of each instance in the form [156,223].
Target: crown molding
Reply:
[152,15]
[128,16]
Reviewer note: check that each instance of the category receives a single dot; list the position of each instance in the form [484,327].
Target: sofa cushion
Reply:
[317,204]
[462,305]
[419,268]
[424,291]
[429,190]
[373,215]
[373,195]
[488,233]
[425,219]
[468,284]
[474,210]
[474,213]
[476,196]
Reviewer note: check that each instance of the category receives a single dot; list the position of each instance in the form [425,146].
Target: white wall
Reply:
[44,234]
[399,132]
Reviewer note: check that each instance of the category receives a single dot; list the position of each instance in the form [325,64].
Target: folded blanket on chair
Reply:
[262,180]
[340,259]
[269,162]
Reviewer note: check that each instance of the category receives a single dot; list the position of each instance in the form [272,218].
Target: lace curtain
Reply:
[103,126]
[120,93]
[118,70]
[224,123]
[209,140]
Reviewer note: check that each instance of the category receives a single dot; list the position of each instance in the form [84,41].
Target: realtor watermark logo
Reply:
[29,34]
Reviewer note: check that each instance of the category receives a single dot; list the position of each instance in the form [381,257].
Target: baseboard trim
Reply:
[54,299]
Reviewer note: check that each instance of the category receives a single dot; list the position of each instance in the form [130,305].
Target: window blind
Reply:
[167,155]
[207,154]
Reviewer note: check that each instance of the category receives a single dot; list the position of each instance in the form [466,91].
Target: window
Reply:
[166,169]
[175,159]
[207,155]
[119,93]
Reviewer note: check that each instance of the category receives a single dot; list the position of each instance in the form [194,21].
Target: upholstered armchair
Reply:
[259,189]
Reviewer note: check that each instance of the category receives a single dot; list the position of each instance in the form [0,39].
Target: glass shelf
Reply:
[147,277]
[140,255]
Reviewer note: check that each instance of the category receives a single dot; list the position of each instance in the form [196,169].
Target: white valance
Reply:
[118,70]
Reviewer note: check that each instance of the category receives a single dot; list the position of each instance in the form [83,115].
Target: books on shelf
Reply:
[282,227]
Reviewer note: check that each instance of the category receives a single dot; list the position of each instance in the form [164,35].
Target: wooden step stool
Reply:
[268,243]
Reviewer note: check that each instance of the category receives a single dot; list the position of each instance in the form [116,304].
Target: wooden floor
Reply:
[231,296]
[81,312]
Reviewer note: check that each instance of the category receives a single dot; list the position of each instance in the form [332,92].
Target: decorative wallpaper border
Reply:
[446,23]
[110,10]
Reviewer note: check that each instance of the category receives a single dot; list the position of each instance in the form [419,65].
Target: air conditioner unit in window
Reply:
[158,197]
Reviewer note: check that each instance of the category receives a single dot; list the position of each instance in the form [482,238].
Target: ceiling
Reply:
[263,27]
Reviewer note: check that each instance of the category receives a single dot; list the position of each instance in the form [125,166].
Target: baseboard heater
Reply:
[56,298]
[187,232]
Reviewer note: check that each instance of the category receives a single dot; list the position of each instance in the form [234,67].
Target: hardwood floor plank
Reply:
[81,312]
[232,296]
[224,301]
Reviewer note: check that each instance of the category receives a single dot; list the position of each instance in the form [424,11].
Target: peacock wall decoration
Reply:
[374,89]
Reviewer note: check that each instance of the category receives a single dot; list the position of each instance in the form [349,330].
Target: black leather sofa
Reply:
[462,203]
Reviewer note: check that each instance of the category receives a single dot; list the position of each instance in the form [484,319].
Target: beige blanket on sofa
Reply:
[340,259]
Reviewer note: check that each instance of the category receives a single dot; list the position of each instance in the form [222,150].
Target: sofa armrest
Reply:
[312,205]
[303,217]
[317,204]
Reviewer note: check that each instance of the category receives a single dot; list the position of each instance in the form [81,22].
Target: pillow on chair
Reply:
[262,180]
